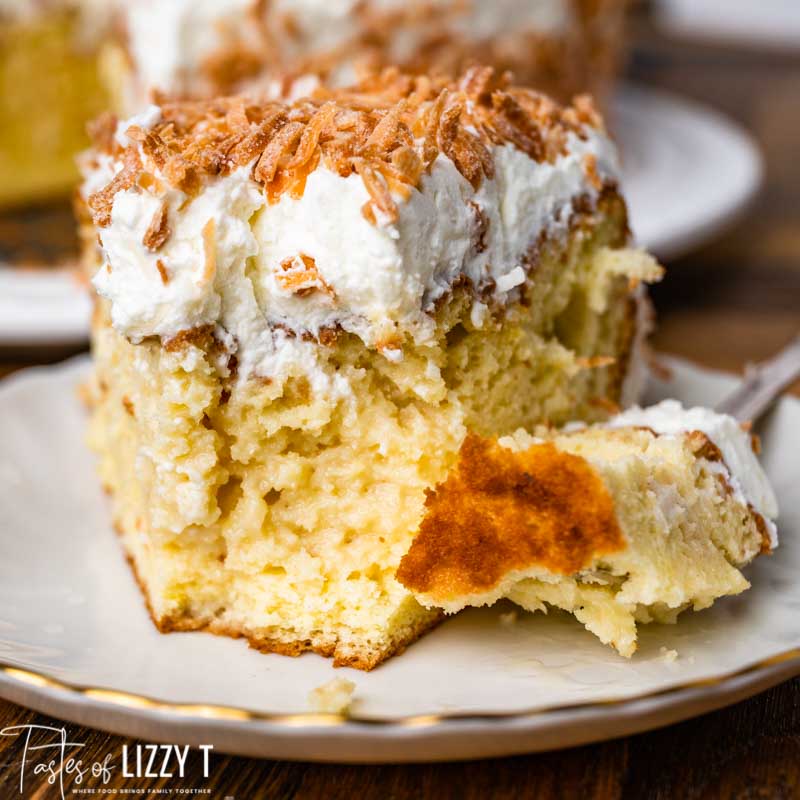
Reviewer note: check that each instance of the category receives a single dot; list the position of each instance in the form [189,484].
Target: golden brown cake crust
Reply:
[501,511]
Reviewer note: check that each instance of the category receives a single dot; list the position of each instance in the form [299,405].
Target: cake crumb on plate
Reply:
[509,618]
[333,697]
[668,656]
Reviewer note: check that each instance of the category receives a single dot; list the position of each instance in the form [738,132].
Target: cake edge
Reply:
[363,659]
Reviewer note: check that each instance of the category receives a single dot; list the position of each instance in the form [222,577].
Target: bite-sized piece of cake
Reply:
[631,521]
[49,89]
[303,311]
[204,48]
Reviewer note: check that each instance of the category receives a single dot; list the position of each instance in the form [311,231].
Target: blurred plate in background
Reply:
[42,306]
[767,23]
[688,173]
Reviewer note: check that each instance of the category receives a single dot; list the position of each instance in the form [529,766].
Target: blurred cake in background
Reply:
[49,89]
[52,51]
[208,48]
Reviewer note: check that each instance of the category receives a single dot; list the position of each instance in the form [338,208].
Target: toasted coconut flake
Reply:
[162,271]
[254,142]
[291,181]
[150,183]
[153,146]
[595,362]
[430,149]
[590,168]
[703,447]
[278,148]
[311,135]
[209,251]
[102,202]
[368,212]
[381,198]
[478,83]
[387,133]
[395,180]
[158,231]
[236,116]
[515,125]
[471,158]
[481,227]
[390,129]
[202,337]
[299,275]
[584,112]
[449,123]
[408,163]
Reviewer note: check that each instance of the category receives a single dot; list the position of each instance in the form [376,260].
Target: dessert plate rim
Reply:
[665,139]
[332,737]
[43,306]
[418,737]
[774,25]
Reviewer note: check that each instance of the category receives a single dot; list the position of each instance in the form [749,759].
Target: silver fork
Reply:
[763,384]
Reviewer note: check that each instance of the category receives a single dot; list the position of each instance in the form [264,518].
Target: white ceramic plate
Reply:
[688,173]
[76,641]
[42,306]
[767,23]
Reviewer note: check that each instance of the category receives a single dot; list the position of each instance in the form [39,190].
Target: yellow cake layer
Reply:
[264,509]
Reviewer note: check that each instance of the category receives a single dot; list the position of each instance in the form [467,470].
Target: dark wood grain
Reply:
[751,750]
[732,302]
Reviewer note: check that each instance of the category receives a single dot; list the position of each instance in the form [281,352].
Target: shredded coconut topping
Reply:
[389,129]
[358,211]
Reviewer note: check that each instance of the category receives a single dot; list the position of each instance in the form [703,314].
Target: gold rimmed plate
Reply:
[76,641]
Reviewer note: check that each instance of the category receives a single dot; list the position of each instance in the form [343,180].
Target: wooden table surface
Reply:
[729,303]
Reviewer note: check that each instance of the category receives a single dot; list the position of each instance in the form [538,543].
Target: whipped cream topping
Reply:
[229,251]
[184,294]
[742,469]
[170,42]
[392,274]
